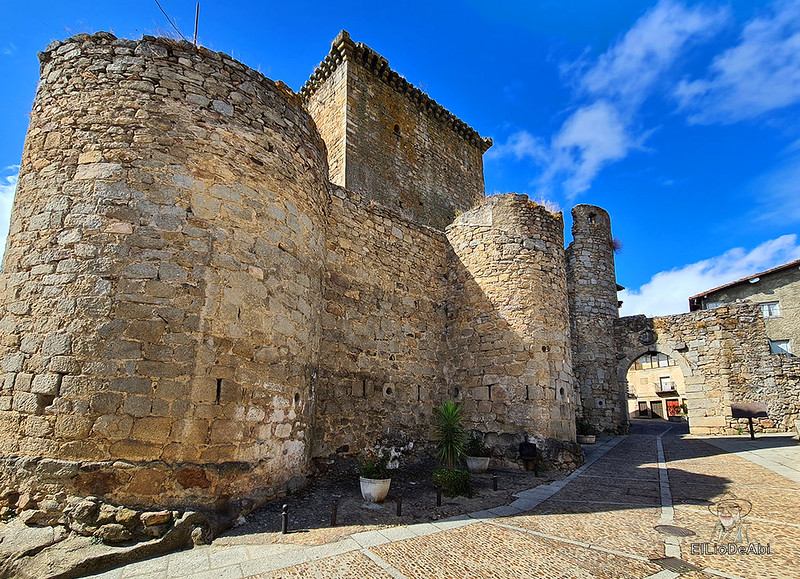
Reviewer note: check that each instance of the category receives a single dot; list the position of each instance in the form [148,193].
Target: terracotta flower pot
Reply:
[374,490]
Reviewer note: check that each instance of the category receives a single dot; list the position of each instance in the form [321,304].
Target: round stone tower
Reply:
[592,287]
[509,326]
[161,289]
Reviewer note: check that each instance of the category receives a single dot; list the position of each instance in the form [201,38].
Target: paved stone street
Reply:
[599,522]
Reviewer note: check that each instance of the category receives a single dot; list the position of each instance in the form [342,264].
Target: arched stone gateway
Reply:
[724,356]
[624,374]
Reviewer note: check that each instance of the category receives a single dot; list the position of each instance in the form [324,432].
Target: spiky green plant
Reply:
[450,435]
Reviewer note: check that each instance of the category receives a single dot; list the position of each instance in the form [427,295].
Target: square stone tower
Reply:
[389,141]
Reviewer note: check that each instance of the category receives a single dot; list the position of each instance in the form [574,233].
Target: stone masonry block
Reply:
[137,406]
[74,427]
[25,402]
[132,385]
[13,362]
[105,402]
[47,384]
[23,382]
[226,431]
[56,345]
[113,426]
[152,429]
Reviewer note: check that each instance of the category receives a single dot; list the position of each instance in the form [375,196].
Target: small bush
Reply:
[475,446]
[449,434]
[374,464]
[584,427]
[454,482]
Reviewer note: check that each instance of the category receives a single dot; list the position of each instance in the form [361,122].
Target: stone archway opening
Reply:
[655,387]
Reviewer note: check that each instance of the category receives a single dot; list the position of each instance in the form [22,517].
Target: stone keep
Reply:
[209,281]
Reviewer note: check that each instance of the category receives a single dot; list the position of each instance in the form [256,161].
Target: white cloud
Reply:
[8,184]
[602,130]
[519,145]
[629,69]
[760,74]
[668,292]
[591,138]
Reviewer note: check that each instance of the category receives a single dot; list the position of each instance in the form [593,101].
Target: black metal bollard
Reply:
[494,481]
[334,513]
[285,519]
[399,505]
[438,494]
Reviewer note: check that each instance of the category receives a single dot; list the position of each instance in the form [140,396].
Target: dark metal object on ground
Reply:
[334,513]
[674,531]
[285,519]
[494,482]
[438,494]
[529,455]
[749,410]
[399,505]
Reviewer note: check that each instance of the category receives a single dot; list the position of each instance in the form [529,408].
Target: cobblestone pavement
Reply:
[599,522]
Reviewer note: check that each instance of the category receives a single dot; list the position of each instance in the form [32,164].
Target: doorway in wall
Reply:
[657,409]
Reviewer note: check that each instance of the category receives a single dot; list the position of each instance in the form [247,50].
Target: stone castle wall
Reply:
[724,356]
[400,148]
[161,289]
[382,328]
[593,310]
[508,329]
[191,311]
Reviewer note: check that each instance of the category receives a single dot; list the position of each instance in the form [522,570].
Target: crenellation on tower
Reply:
[391,142]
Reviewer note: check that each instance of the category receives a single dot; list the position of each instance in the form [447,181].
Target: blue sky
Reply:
[679,118]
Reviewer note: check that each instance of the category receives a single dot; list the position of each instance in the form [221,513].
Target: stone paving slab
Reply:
[613,491]
[484,550]
[353,565]
[619,528]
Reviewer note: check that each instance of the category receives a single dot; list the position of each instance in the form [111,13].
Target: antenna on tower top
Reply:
[196,18]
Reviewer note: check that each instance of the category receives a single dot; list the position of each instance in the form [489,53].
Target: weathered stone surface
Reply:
[156,518]
[113,533]
[593,306]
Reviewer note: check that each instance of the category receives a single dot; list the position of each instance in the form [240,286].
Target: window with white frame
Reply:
[666,384]
[770,309]
[779,347]
[711,305]
[654,360]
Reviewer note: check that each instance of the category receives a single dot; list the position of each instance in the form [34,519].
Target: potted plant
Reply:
[375,480]
[450,438]
[586,433]
[476,454]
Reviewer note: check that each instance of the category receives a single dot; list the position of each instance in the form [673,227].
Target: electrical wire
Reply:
[169,20]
